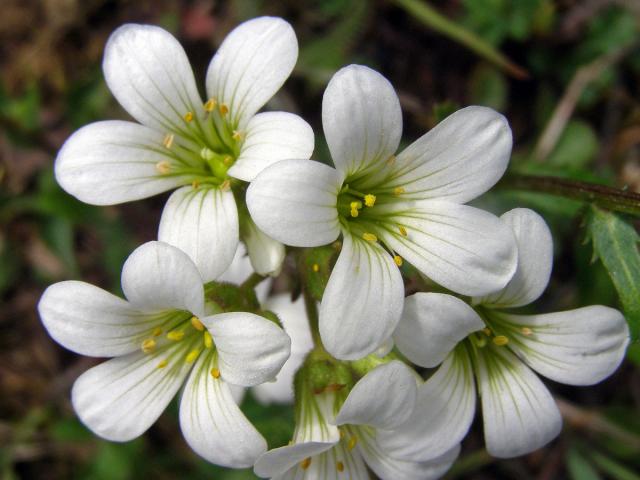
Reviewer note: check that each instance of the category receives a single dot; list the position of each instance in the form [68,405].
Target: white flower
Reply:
[389,208]
[576,347]
[326,446]
[201,148]
[160,333]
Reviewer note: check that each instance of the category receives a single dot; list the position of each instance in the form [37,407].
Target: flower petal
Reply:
[458,160]
[519,413]
[576,347]
[251,348]
[203,223]
[361,118]
[270,137]
[120,398]
[106,163]
[362,302]
[535,259]
[91,321]
[383,398]
[265,253]
[158,276]
[465,249]
[211,422]
[294,201]
[251,65]
[148,71]
[442,415]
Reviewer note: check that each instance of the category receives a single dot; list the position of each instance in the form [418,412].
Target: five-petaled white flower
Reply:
[389,208]
[161,332]
[329,446]
[576,347]
[205,149]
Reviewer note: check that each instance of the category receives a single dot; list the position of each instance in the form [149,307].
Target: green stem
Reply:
[600,195]
[312,314]
[253,281]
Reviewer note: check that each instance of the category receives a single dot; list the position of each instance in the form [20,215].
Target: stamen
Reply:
[206,153]
[163,167]
[210,105]
[227,160]
[315,267]
[369,200]
[149,345]
[162,364]
[500,340]
[354,208]
[486,331]
[237,136]
[370,237]
[304,464]
[197,324]
[225,186]
[403,231]
[208,340]
[392,160]
[526,331]
[195,184]
[352,443]
[168,140]
[340,466]
[188,117]
[398,191]
[175,335]
[191,356]
[215,373]
[398,260]
[341,434]
[223,109]
[157,332]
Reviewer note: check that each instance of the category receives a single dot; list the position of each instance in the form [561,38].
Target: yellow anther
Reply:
[191,356]
[210,105]
[402,230]
[223,109]
[208,341]
[163,167]
[340,466]
[392,160]
[352,442]
[162,364]
[398,260]
[197,324]
[398,191]
[370,237]
[315,267]
[227,160]
[215,373]
[175,335]
[195,184]
[369,200]
[354,212]
[188,117]
[237,136]
[225,186]
[168,140]
[486,331]
[500,340]
[355,204]
[304,464]
[149,345]
[526,331]
[157,332]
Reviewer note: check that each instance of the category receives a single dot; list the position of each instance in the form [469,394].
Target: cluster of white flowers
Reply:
[245,183]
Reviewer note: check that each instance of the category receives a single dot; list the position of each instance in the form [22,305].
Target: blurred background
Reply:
[566,73]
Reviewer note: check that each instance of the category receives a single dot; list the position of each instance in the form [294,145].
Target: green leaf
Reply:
[615,243]
[612,468]
[576,147]
[579,467]
[489,87]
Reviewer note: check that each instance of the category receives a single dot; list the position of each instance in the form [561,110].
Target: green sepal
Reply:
[232,298]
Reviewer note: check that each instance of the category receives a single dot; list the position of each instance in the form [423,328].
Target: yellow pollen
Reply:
[526,331]
[162,364]
[223,109]
[403,231]
[370,237]
[195,184]
[398,260]
[392,160]
[188,117]
[191,356]
[304,464]
[225,186]
[354,212]
[500,340]
[398,191]
[210,105]
[340,466]
[237,135]
[197,324]
[215,373]
[168,140]
[352,443]
[315,267]
[486,331]
[157,332]
[369,200]
[227,160]
[163,167]
[175,335]
[208,341]
[149,345]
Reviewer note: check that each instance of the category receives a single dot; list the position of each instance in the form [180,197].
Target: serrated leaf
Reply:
[615,242]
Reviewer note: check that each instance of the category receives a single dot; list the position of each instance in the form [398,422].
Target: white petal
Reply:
[265,253]
[281,390]
[383,398]
[362,302]
[576,347]
[519,413]
[442,416]
[147,70]
[535,259]
[361,118]
[203,223]
[252,349]
[294,201]
[111,162]
[251,65]
[431,326]
[462,248]
[461,158]
[270,137]
[91,321]
[120,398]
[157,276]
[213,425]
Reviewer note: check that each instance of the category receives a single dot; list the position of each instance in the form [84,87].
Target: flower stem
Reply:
[253,281]
[312,314]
